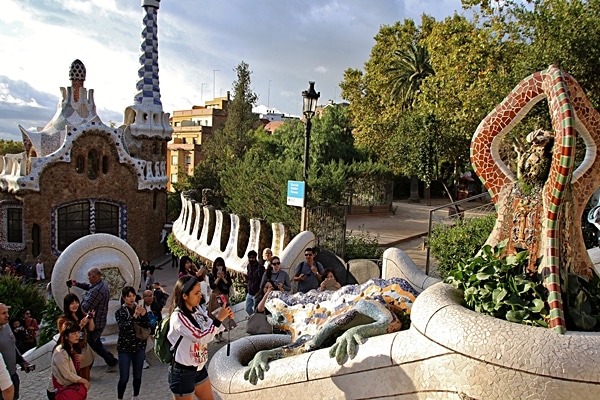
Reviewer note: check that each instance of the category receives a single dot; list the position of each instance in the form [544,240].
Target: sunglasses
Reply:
[308,255]
[276,263]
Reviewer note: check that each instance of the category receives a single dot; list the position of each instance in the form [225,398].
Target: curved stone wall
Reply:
[211,233]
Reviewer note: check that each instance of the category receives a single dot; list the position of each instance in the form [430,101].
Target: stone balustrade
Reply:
[210,233]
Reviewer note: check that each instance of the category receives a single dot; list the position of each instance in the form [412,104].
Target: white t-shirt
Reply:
[5,381]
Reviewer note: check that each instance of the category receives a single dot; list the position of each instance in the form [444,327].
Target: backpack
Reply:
[162,347]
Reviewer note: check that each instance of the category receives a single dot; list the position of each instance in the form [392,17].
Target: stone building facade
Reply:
[79,176]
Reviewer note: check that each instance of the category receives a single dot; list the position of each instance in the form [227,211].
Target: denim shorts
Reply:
[183,380]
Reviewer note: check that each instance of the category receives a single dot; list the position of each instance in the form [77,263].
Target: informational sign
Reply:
[295,193]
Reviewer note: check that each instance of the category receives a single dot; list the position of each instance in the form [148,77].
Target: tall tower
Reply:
[145,118]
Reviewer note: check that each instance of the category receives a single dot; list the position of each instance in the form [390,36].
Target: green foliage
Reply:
[235,138]
[409,68]
[10,147]
[451,244]
[173,205]
[21,297]
[581,297]
[49,326]
[239,284]
[497,287]
[362,244]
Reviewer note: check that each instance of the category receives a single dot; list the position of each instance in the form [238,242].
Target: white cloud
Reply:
[285,43]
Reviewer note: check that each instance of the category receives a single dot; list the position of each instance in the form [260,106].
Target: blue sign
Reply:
[295,193]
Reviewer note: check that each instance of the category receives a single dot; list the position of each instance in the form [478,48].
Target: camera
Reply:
[69,283]
[89,315]
[28,368]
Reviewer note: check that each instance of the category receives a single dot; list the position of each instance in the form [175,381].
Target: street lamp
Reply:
[309,105]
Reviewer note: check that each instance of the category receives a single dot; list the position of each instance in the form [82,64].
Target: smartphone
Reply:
[222,300]
[69,283]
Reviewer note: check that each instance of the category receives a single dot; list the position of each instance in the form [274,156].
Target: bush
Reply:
[21,297]
[49,327]
[451,244]
[497,286]
[362,245]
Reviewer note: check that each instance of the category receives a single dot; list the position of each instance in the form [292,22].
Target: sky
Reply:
[286,43]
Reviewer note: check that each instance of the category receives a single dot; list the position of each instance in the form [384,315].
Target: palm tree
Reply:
[409,68]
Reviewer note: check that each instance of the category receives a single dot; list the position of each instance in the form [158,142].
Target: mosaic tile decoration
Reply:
[560,238]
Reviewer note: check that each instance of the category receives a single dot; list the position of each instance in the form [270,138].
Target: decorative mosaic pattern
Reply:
[307,313]
[77,71]
[148,87]
[571,113]
[114,280]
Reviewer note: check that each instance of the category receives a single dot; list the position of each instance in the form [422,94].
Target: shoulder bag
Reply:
[258,325]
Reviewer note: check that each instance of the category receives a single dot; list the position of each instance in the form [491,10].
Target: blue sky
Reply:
[285,42]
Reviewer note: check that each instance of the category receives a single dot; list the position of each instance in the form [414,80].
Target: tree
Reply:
[235,138]
[230,143]
[10,147]
[409,68]
[368,92]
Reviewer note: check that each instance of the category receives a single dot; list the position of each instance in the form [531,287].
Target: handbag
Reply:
[258,325]
[141,332]
[75,391]
[87,356]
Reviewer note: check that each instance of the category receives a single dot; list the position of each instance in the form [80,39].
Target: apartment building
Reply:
[191,128]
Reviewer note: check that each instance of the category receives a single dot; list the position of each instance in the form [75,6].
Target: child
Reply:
[149,280]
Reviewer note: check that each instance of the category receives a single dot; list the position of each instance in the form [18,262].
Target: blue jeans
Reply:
[96,345]
[250,304]
[137,360]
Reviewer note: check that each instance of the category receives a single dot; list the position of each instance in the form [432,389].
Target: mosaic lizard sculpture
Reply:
[342,319]
[547,221]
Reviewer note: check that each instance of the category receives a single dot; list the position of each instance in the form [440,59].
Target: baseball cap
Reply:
[156,283]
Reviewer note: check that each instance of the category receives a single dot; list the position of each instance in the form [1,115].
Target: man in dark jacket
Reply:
[254,273]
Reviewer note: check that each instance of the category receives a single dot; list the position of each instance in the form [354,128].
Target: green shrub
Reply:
[49,327]
[497,287]
[362,245]
[21,297]
[451,244]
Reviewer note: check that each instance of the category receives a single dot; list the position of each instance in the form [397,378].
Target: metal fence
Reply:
[329,226]
[448,214]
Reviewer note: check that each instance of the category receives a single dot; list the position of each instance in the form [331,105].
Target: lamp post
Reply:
[309,105]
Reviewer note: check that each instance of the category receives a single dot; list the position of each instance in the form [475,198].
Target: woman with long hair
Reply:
[65,366]
[186,266]
[74,313]
[194,329]
[220,283]
[131,349]
[278,277]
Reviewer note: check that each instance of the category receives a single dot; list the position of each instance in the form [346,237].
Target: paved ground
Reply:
[404,230]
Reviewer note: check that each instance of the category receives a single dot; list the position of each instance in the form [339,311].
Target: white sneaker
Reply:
[146,366]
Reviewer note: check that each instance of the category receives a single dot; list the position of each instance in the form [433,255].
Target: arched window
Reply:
[36,240]
[73,223]
[92,170]
[85,217]
[79,164]
[105,165]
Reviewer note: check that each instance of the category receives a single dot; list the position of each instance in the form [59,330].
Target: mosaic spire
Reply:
[148,90]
